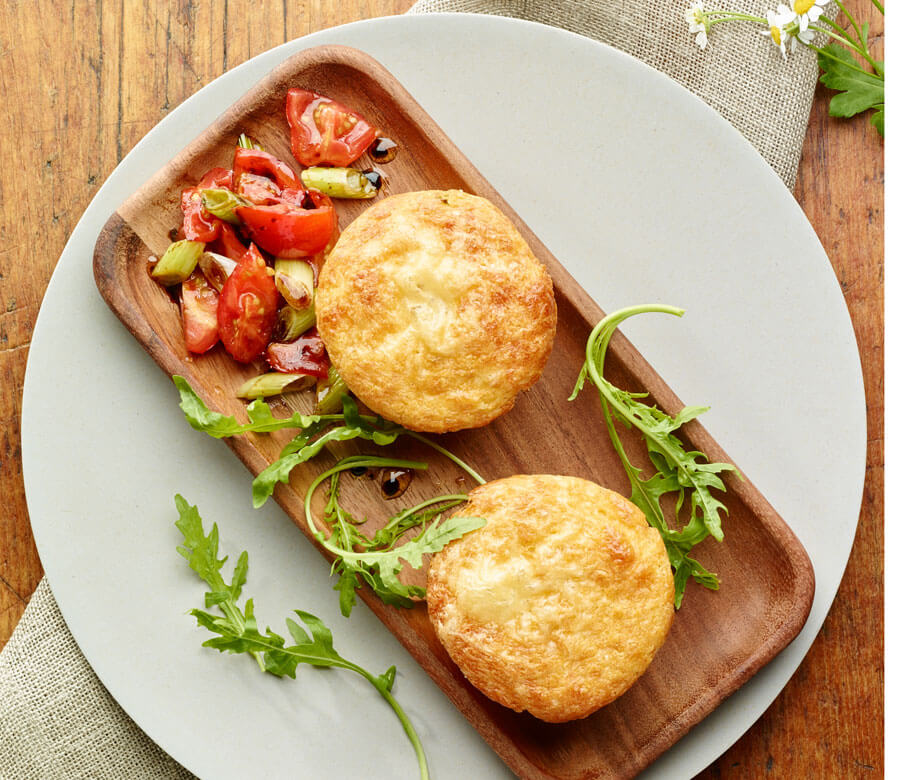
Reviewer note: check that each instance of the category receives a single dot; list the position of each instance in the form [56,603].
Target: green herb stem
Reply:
[852,46]
[451,456]
[677,471]
[349,463]
[729,16]
[405,723]
[453,499]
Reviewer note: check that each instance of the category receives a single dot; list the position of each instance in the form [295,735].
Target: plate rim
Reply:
[306,38]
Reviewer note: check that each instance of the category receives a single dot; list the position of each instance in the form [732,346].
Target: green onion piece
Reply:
[339,182]
[217,268]
[273,383]
[330,392]
[178,261]
[292,322]
[222,203]
[295,280]
[246,142]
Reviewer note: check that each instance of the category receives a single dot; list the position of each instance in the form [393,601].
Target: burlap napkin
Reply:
[57,721]
[741,74]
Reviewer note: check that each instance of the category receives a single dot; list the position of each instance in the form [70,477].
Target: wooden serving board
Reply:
[718,640]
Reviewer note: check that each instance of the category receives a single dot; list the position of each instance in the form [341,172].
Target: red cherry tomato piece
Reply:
[198,224]
[216,178]
[264,164]
[258,189]
[228,243]
[325,131]
[286,230]
[199,309]
[306,355]
[247,308]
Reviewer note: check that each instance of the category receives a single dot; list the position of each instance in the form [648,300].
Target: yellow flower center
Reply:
[801,6]
[776,34]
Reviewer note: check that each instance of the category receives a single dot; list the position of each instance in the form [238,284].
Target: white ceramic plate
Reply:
[645,194]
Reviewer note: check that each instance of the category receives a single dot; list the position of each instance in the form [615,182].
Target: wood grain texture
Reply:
[84,81]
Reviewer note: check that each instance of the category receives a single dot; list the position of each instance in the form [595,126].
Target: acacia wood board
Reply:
[718,639]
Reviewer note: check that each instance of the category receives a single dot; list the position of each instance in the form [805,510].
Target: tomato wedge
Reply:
[199,309]
[246,314]
[216,178]
[262,163]
[288,230]
[198,224]
[228,243]
[306,355]
[325,131]
[258,189]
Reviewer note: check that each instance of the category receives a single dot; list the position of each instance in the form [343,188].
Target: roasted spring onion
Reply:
[295,280]
[222,203]
[330,392]
[273,383]
[217,268]
[339,182]
[178,261]
[246,142]
[292,323]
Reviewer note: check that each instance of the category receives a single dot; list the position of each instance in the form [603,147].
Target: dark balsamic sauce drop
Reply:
[394,482]
[383,149]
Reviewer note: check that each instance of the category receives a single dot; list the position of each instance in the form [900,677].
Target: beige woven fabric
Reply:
[741,73]
[57,721]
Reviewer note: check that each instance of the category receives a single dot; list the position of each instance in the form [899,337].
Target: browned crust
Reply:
[560,602]
[435,311]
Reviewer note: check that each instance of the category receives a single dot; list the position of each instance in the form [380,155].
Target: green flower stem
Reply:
[837,28]
[864,51]
[878,6]
[730,16]
[861,47]
[830,56]
[847,14]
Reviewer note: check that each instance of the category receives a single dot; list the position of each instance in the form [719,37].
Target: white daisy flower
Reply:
[697,22]
[805,36]
[778,22]
[808,11]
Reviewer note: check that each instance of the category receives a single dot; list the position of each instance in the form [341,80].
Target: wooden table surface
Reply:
[84,81]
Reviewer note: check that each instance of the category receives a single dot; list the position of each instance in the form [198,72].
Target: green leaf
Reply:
[200,550]
[677,471]
[236,630]
[842,72]
[260,417]
[878,120]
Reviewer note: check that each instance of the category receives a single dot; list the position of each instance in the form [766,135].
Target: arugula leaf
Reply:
[301,449]
[260,418]
[677,470]
[237,631]
[378,562]
[858,90]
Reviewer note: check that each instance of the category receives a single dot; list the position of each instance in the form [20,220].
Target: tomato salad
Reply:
[253,240]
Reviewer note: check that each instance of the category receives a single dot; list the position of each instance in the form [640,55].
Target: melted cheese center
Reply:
[428,283]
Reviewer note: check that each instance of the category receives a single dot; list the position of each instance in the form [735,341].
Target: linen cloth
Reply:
[741,73]
[57,721]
